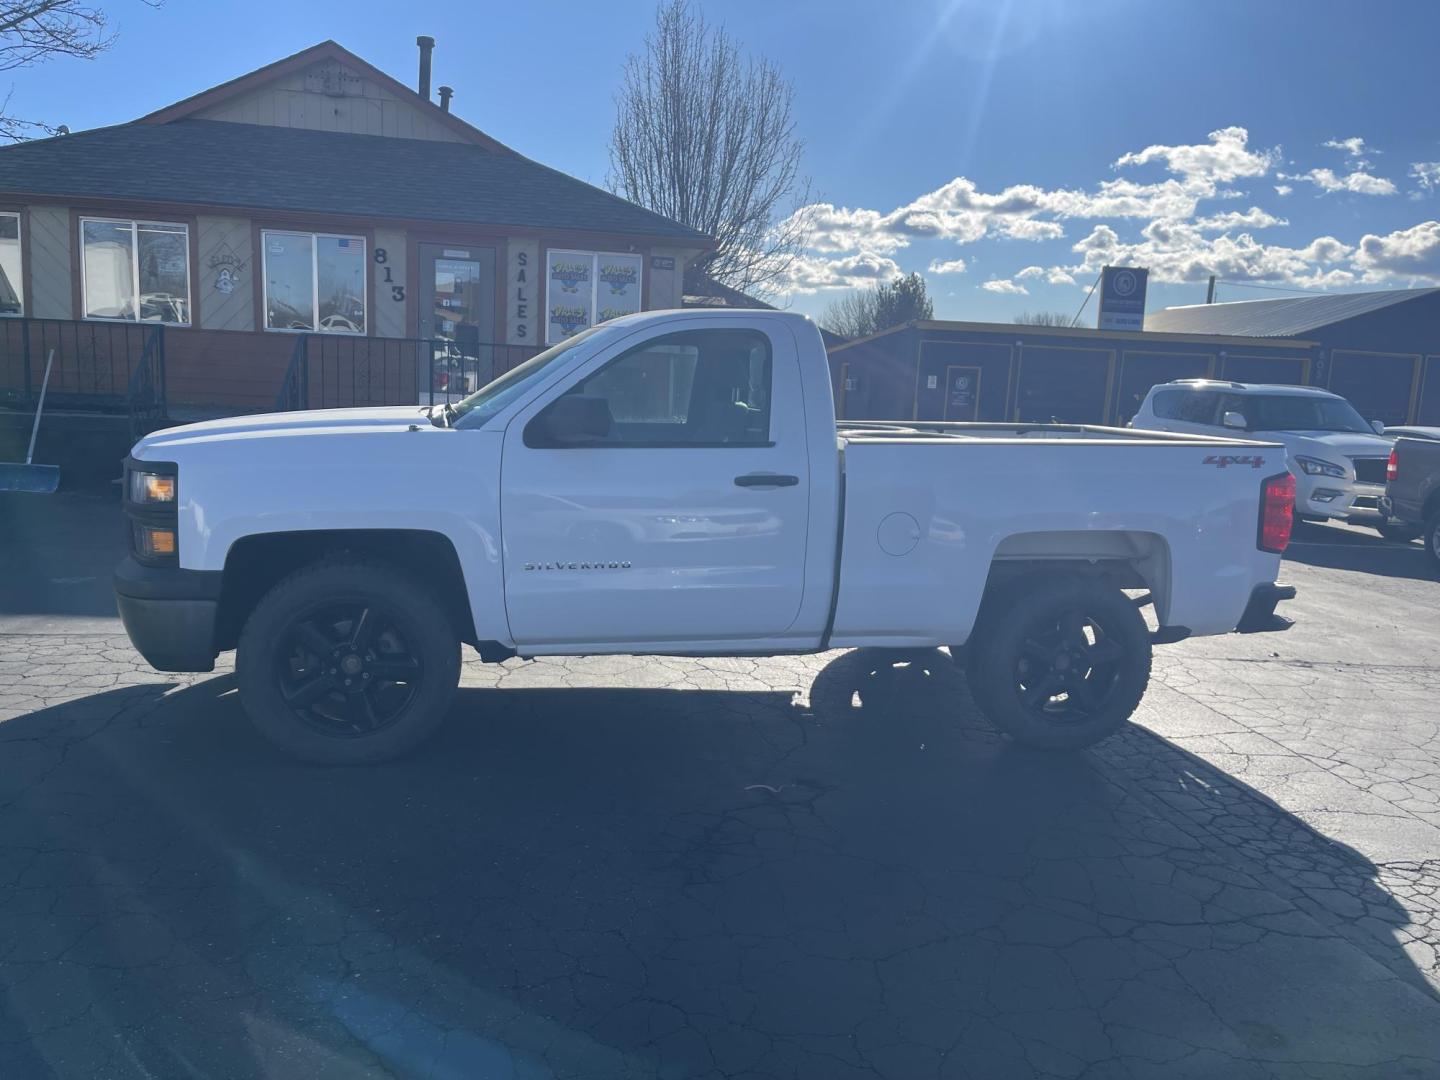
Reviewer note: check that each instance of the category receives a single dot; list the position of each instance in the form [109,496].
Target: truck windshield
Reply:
[496,394]
[1287,412]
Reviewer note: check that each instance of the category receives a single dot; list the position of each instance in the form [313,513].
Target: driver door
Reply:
[685,521]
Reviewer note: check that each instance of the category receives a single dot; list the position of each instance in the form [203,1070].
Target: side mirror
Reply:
[575,419]
[1235,420]
[1378,426]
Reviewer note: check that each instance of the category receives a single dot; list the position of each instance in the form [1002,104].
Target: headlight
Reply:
[150,487]
[1316,467]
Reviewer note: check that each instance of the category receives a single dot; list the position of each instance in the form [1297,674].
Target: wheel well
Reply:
[256,563]
[1124,559]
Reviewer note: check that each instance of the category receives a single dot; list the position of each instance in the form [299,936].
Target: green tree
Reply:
[868,311]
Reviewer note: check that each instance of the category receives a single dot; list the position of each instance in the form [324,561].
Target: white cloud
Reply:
[951,266]
[1254,218]
[1227,156]
[1283,189]
[1357,182]
[1353,147]
[1426,174]
[1001,285]
[1031,271]
[1412,253]
[811,273]
[1178,252]
[1058,275]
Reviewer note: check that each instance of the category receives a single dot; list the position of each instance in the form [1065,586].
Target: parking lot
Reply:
[808,867]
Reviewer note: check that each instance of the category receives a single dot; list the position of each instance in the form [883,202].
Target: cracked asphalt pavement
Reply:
[822,867]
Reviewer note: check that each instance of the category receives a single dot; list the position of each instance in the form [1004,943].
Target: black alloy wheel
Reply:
[348,661]
[345,669]
[1058,662]
[1068,666]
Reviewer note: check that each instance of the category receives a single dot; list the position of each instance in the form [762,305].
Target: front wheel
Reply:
[347,662]
[1060,664]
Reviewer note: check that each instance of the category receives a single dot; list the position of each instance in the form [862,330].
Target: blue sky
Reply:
[994,145]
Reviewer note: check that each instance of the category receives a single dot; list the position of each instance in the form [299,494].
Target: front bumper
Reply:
[169,614]
[1260,617]
[1333,497]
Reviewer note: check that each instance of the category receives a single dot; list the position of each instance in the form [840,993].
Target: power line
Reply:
[1271,288]
[1089,294]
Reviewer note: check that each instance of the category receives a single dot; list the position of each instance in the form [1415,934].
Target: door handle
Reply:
[761,479]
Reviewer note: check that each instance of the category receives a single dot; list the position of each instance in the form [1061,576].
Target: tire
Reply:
[347,662]
[1432,539]
[1059,663]
[1399,532]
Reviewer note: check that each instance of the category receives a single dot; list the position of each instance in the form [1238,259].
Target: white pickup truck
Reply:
[675,482]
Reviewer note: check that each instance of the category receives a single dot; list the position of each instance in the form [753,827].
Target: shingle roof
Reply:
[1287,317]
[218,163]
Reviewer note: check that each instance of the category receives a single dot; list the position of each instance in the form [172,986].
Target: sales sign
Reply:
[1122,298]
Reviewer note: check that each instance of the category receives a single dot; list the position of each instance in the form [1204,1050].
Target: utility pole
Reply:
[1210,292]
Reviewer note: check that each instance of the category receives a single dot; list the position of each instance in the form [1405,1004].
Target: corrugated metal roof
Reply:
[254,167]
[1291,316]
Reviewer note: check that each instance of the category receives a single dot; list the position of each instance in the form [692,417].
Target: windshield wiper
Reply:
[449,413]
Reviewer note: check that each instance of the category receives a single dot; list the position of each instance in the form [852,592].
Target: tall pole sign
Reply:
[1122,298]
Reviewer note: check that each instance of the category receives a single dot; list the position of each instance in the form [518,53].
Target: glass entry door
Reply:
[457,319]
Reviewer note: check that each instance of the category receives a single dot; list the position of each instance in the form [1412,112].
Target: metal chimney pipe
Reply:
[427,46]
[446,93]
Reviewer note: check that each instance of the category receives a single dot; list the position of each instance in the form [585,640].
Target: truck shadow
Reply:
[636,882]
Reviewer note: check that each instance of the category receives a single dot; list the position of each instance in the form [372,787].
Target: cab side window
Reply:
[1198,407]
[693,388]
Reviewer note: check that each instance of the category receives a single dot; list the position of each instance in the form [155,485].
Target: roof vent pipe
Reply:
[446,93]
[427,46]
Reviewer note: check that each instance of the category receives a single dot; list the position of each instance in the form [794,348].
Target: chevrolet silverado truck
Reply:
[676,483]
[1412,490]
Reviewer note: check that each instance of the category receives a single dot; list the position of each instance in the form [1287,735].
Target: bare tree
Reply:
[703,134]
[868,311]
[1044,318]
[32,31]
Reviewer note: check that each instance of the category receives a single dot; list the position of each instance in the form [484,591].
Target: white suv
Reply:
[1337,457]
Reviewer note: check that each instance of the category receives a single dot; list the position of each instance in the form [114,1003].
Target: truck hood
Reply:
[1331,445]
[268,425]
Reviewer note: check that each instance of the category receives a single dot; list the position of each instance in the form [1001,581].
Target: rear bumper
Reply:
[169,614]
[1260,617]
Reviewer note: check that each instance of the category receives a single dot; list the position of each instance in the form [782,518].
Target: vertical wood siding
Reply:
[50,263]
[225,244]
[288,102]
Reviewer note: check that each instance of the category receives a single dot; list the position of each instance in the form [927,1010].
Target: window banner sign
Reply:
[588,287]
[569,293]
[618,286]
[1122,298]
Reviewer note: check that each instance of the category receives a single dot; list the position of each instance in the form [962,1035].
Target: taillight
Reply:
[1277,512]
[1392,467]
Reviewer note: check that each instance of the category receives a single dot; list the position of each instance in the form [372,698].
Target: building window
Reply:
[136,270]
[583,288]
[12,287]
[314,281]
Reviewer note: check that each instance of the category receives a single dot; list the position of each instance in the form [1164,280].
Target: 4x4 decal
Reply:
[1220,461]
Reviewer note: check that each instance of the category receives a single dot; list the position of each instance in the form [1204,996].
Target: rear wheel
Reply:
[347,662]
[1060,663]
[1432,538]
